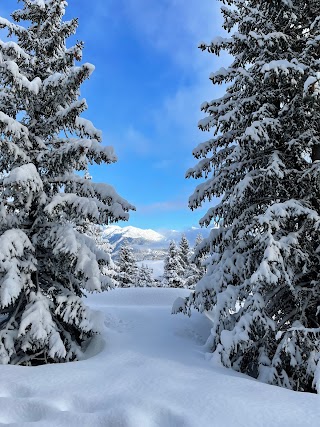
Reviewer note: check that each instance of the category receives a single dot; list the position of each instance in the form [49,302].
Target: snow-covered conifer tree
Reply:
[110,269]
[144,277]
[262,159]
[45,262]
[197,248]
[191,272]
[200,255]
[199,239]
[191,276]
[173,268]
[128,269]
[184,251]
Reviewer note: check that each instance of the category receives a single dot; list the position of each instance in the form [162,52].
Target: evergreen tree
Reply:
[128,269]
[45,262]
[184,251]
[144,277]
[191,276]
[200,255]
[199,239]
[110,269]
[263,280]
[197,248]
[173,268]
[191,273]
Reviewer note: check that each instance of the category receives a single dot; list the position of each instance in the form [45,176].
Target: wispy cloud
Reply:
[137,141]
[163,164]
[130,141]
[174,27]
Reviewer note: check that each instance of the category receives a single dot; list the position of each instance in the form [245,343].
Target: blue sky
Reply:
[145,96]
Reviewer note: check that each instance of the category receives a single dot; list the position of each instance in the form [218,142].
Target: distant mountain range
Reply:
[148,244]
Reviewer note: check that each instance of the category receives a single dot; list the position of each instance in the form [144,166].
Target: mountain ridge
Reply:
[148,243]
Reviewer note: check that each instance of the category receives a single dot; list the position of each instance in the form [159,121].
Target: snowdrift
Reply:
[148,369]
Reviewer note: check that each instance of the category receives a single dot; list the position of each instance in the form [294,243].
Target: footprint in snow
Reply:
[117,324]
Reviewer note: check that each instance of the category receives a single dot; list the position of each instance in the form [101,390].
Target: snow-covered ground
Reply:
[148,370]
[157,266]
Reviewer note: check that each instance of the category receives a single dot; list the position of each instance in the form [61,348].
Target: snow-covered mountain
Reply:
[190,233]
[135,236]
[148,244]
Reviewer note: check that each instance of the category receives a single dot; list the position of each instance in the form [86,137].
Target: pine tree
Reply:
[144,277]
[197,248]
[173,268]
[45,262]
[191,276]
[128,269]
[184,251]
[191,273]
[110,269]
[200,255]
[263,161]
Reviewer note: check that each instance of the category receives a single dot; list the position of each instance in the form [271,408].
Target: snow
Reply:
[149,369]
[12,127]
[87,129]
[26,176]
[283,65]
[13,69]
[132,233]
[148,243]
[156,265]
[312,81]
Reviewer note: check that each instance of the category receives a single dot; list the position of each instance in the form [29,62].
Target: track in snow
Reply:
[148,370]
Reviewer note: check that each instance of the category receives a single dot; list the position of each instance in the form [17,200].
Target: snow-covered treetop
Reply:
[51,140]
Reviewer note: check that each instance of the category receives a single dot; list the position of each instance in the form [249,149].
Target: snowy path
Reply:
[150,373]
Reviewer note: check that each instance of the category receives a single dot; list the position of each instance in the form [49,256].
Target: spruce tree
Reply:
[262,159]
[184,251]
[144,277]
[173,268]
[192,276]
[200,255]
[46,263]
[128,269]
[110,269]
[191,273]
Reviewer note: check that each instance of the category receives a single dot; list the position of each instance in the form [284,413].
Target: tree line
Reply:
[182,267]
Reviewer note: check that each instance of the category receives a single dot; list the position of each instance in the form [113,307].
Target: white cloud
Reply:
[174,26]
[180,109]
[129,141]
[163,164]
[136,141]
